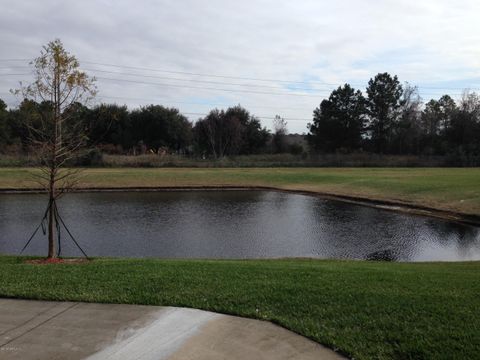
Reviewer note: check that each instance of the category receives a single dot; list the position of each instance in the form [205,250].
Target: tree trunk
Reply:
[53,167]
[51,230]
[51,216]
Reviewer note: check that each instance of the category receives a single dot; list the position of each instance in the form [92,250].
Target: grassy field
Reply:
[454,189]
[368,310]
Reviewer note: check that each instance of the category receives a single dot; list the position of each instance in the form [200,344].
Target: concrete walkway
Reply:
[65,330]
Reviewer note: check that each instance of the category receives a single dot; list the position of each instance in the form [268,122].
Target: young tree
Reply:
[58,85]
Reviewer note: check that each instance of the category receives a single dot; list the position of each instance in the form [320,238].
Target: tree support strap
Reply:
[52,206]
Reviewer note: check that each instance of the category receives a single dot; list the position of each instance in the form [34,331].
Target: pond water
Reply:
[233,224]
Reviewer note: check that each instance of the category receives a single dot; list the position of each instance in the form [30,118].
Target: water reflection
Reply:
[235,224]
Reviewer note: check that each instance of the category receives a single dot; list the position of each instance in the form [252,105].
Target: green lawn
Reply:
[368,310]
[365,309]
[454,189]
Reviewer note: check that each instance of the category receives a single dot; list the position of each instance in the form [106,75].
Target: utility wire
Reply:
[169,101]
[230,77]
[15,74]
[242,78]
[310,90]
[149,100]
[205,81]
[206,88]
[246,78]
[205,114]
[15,67]
[253,78]
[206,75]
[228,90]
[7,60]
[259,117]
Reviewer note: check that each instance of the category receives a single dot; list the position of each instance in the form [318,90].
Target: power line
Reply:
[229,90]
[247,78]
[15,74]
[318,91]
[15,67]
[206,88]
[240,78]
[202,81]
[259,117]
[168,101]
[6,60]
[251,78]
[204,114]
[206,75]
[215,89]
[225,105]
[195,103]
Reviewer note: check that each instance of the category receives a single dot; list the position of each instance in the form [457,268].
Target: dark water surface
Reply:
[234,224]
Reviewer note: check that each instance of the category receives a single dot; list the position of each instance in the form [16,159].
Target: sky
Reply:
[272,57]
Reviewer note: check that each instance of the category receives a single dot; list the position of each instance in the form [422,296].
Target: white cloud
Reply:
[429,43]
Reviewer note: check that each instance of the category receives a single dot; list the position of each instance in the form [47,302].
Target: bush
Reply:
[295,149]
[92,157]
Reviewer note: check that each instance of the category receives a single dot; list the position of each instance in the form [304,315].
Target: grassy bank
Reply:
[453,189]
[368,310]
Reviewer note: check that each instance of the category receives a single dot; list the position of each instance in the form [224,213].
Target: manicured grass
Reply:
[368,310]
[454,189]
[365,309]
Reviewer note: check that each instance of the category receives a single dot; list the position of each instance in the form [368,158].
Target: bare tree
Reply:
[279,139]
[59,87]
[407,128]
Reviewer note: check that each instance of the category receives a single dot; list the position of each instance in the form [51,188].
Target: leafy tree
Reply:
[27,115]
[110,124]
[4,133]
[59,85]
[383,105]
[463,133]
[231,132]
[253,137]
[437,115]
[339,121]
[217,134]
[157,126]
[435,121]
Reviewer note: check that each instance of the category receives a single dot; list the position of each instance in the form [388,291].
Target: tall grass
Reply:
[96,159]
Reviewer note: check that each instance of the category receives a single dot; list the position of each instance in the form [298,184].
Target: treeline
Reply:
[151,129]
[391,119]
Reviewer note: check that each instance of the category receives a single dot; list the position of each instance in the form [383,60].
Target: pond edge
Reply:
[389,205]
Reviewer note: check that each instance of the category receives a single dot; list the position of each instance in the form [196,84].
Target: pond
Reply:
[233,224]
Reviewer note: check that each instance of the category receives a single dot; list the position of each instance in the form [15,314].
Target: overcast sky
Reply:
[317,45]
